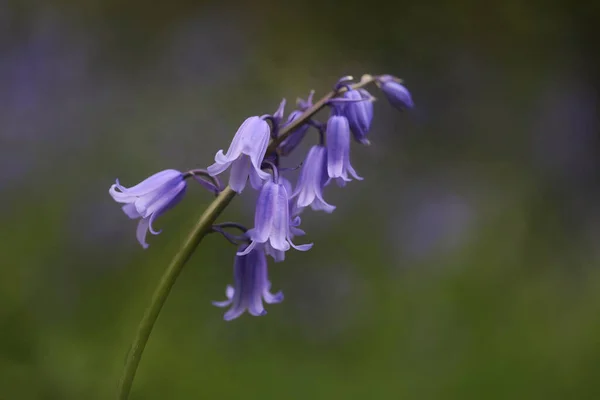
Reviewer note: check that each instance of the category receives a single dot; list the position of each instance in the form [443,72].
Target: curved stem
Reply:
[201,229]
[167,281]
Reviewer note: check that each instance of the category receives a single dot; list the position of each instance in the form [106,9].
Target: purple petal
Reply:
[277,255]
[142,230]
[265,212]
[169,201]
[396,93]
[240,169]
[338,145]
[218,167]
[302,247]
[272,298]
[255,180]
[258,262]
[160,199]
[248,249]
[237,144]
[150,184]
[351,170]
[130,210]
[281,221]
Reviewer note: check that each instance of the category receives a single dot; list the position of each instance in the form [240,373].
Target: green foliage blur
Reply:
[464,266]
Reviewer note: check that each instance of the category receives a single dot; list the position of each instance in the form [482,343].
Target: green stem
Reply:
[201,229]
[164,287]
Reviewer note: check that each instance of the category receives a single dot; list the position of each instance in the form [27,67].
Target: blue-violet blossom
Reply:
[295,221]
[396,94]
[245,155]
[149,199]
[338,149]
[272,222]
[251,285]
[359,113]
[313,178]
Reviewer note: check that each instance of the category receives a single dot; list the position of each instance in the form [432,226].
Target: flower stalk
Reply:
[199,231]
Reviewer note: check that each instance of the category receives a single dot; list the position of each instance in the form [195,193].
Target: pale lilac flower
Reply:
[245,155]
[295,221]
[338,150]
[313,178]
[251,285]
[272,220]
[396,93]
[150,199]
[359,113]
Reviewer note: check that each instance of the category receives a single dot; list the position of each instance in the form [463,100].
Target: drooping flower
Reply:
[251,285]
[295,221]
[313,178]
[359,113]
[272,220]
[149,199]
[338,149]
[245,155]
[396,93]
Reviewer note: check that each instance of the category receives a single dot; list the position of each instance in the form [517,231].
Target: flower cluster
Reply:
[255,155]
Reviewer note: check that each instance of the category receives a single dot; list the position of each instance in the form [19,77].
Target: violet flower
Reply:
[313,178]
[338,149]
[295,221]
[150,199]
[251,285]
[272,220]
[245,155]
[396,93]
[359,113]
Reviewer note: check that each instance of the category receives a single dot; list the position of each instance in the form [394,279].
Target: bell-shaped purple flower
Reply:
[272,220]
[295,221]
[338,150]
[149,199]
[359,113]
[396,93]
[245,155]
[251,285]
[313,178]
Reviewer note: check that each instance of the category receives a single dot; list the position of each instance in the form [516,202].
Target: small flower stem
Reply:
[201,229]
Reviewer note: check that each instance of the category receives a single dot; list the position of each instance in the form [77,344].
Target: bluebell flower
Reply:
[396,94]
[272,220]
[359,113]
[338,150]
[150,199]
[245,155]
[251,285]
[295,221]
[313,177]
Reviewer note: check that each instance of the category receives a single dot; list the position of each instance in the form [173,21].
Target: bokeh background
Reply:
[464,266]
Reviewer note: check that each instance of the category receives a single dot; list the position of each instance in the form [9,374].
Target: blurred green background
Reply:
[464,266]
